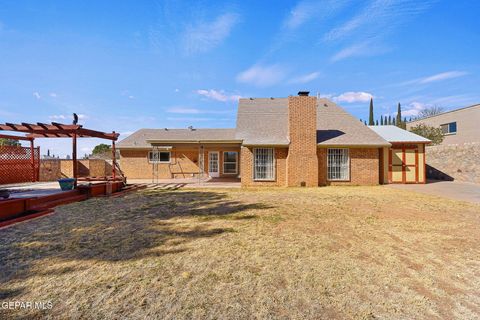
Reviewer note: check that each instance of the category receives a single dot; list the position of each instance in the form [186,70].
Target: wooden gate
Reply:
[403,165]
[18,165]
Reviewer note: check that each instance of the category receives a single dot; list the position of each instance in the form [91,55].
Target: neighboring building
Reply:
[459,126]
[456,158]
[294,141]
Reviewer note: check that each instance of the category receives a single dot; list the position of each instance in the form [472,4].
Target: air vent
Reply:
[303,93]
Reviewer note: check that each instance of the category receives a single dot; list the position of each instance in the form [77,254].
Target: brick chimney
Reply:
[302,161]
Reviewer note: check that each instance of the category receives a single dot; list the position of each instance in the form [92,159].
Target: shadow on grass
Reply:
[149,223]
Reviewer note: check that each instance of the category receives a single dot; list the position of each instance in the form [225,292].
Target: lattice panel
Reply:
[16,164]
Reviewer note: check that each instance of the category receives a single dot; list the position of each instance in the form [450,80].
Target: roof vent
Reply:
[191,128]
[251,98]
[271,98]
[303,93]
[166,129]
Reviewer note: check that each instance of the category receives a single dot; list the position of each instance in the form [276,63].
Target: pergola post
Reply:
[114,160]
[74,158]
[32,160]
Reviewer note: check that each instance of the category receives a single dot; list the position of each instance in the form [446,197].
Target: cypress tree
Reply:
[381,120]
[389,119]
[404,123]
[365,122]
[376,123]
[370,117]
[399,115]
[393,122]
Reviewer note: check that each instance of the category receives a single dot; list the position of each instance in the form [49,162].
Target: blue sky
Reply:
[125,65]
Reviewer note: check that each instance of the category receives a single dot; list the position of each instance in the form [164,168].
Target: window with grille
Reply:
[449,128]
[338,164]
[230,162]
[159,156]
[264,164]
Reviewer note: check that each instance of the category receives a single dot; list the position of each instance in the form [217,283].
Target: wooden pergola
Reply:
[59,130]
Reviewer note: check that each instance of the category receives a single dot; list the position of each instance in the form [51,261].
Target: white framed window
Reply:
[338,164]
[159,156]
[264,164]
[449,128]
[230,160]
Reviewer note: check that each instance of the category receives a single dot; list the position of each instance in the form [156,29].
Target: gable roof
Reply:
[337,127]
[264,121]
[396,134]
[144,137]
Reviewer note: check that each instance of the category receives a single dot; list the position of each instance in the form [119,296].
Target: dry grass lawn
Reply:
[335,252]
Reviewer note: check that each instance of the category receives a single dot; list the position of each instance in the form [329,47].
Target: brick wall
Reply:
[364,167]
[302,162]
[280,168]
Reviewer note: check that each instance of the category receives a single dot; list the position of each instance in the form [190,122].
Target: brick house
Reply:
[294,141]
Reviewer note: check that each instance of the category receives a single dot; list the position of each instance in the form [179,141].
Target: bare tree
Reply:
[430,111]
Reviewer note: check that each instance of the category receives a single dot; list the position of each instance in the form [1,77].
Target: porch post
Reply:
[114,160]
[32,160]
[74,158]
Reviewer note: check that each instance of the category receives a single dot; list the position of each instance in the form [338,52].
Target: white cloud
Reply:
[131,97]
[192,119]
[218,95]
[309,10]
[352,97]
[434,78]
[86,149]
[378,18]
[183,110]
[189,110]
[365,49]
[443,76]
[305,78]
[56,117]
[414,108]
[177,90]
[37,95]
[53,94]
[204,36]
[262,76]
[126,133]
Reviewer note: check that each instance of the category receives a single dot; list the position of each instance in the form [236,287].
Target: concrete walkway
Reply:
[189,183]
[449,189]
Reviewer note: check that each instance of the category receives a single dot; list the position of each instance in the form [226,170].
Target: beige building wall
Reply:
[468,128]
[184,161]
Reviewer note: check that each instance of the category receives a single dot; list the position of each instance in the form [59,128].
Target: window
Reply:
[449,128]
[338,164]
[263,164]
[159,156]
[230,162]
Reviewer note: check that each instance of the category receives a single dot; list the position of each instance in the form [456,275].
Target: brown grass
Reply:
[335,252]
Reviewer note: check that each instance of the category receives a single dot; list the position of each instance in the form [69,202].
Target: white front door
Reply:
[213,157]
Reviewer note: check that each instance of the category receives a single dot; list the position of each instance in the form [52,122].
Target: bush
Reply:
[432,133]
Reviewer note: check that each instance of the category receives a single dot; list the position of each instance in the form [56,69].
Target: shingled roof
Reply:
[144,137]
[264,121]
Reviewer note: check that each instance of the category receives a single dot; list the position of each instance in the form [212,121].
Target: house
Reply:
[459,126]
[295,141]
